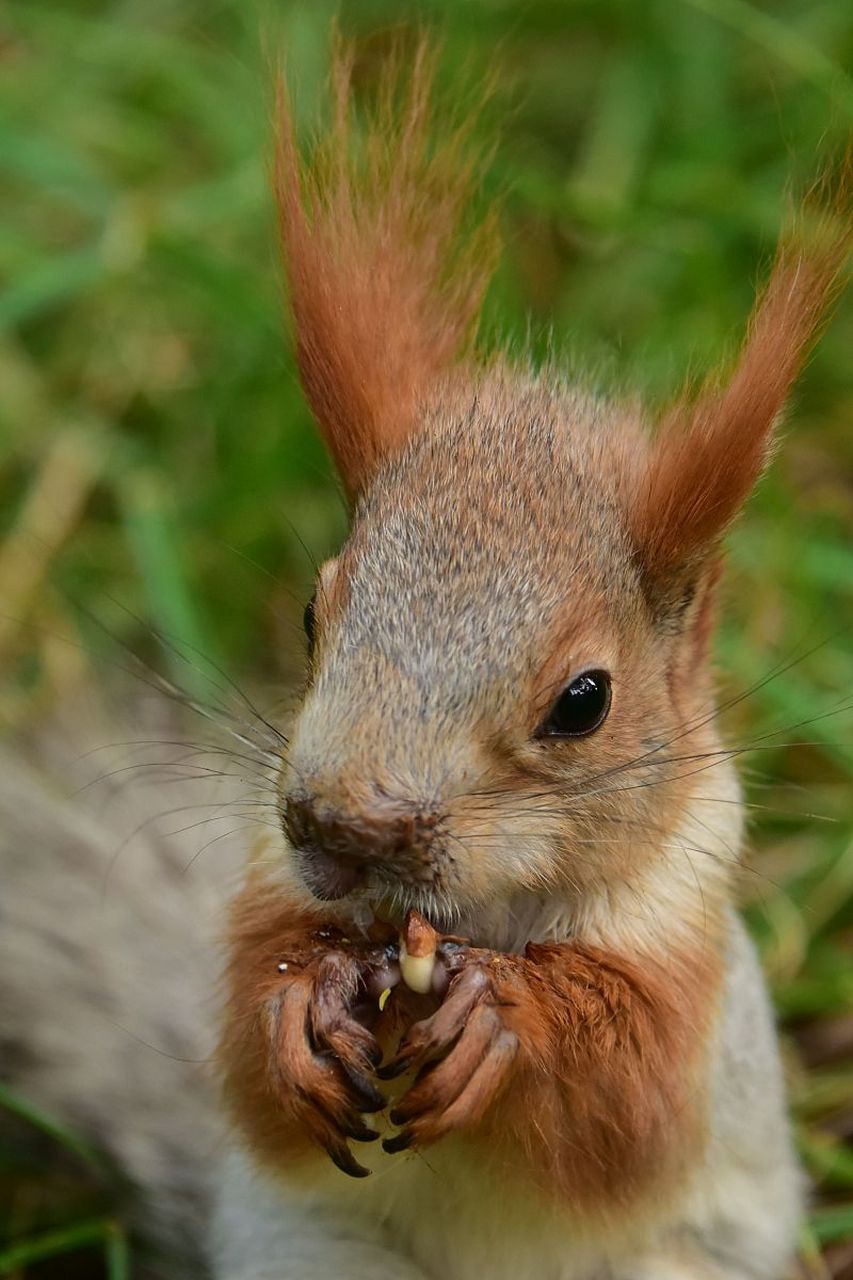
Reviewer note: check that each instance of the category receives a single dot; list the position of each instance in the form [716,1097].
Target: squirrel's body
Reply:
[509,726]
[85,963]
[122,1061]
[454,1216]
[682,1159]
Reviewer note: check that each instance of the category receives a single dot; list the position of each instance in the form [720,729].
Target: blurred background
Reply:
[159,473]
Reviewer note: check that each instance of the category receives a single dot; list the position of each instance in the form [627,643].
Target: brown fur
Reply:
[268,1079]
[295,1064]
[612,1063]
[711,450]
[582,1062]
[601,1095]
[386,273]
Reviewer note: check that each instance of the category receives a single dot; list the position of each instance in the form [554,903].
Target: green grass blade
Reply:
[149,523]
[117,1254]
[30,1114]
[80,1236]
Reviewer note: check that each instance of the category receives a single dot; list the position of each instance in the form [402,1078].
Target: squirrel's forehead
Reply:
[497,504]
[458,541]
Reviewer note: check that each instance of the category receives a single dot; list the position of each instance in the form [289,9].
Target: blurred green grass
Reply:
[158,462]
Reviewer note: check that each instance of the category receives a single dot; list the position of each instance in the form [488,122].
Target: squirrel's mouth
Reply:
[393,908]
[364,890]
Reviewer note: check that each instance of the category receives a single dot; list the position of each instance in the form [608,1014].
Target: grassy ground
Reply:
[158,462]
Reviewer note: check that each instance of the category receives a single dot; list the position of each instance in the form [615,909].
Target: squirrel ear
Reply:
[385,267]
[710,450]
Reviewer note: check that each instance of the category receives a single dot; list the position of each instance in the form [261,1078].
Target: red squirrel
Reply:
[506,765]
[508,725]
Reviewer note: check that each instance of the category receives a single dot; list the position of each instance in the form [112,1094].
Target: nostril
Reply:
[326,864]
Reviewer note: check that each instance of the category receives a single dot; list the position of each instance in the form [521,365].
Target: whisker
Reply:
[157,817]
[200,748]
[191,772]
[171,646]
[247,826]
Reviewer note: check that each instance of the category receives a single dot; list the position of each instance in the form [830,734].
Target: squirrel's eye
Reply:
[308,622]
[581,708]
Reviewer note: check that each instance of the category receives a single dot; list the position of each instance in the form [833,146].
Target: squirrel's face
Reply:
[490,695]
[507,543]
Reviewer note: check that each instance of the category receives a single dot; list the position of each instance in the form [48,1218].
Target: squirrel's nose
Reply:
[336,850]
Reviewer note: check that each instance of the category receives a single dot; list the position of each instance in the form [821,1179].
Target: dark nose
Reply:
[336,850]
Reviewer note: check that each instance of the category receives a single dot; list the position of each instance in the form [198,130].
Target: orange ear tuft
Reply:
[386,271]
[710,450]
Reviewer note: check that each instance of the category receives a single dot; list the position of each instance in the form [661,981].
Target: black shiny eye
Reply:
[581,708]
[309,623]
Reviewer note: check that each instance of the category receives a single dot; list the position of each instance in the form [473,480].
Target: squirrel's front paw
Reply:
[465,1052]
[321,1056]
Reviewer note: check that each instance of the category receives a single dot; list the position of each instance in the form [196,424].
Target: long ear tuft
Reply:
[711,449]
[386,269]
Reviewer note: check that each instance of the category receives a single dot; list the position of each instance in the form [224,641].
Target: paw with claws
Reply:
[463,1054]
[310,1012]
[321,1056]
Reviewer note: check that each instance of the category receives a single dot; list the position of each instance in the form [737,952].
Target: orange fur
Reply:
[617,1082]
[386,272]
[296,1068]
[603,1098]
[581,1063]
[271,1077]
[710,451]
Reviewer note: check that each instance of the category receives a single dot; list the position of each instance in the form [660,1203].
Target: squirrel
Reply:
[508,725]
[507,750]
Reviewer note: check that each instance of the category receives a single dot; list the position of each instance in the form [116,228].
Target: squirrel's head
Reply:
[509,688]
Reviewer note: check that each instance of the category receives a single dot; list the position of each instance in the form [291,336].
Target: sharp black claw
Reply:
[393,1069]
[361,1133]
[347,1163]
[400,1142]
[369,1097]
